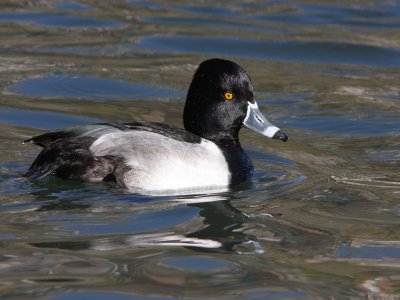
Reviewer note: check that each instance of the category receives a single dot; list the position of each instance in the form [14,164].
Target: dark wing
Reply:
[70,158]
[66,154]
[47,138]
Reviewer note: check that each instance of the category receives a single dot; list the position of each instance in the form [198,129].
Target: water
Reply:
[87,87]
[323,52]
[320,219]
[56,20]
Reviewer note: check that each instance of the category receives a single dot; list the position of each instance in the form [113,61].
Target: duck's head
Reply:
[220,101]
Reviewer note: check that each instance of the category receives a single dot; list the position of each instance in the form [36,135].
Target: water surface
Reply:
[56,20]
[310,51]
[320,218]
[88,87]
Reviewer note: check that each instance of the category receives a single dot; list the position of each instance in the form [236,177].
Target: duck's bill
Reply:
[256,121]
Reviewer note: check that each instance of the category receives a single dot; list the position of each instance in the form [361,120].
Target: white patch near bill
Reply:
[270,131]
[159,163]
[256,121]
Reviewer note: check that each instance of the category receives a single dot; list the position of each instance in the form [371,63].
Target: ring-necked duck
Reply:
[147,156]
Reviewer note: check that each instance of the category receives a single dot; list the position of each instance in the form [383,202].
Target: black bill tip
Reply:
[280,135]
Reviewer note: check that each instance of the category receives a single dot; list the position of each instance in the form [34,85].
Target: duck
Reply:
[146,156]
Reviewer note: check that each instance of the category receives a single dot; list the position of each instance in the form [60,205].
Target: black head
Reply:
[217,100]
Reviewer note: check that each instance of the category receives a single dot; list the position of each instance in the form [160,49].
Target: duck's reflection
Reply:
[219,231]
[222,223]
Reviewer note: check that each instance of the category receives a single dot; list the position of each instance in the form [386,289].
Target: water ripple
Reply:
[303,51]
[61,20]
[88,87]
[40,119]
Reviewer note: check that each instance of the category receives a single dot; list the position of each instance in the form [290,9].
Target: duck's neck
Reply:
[239,163]
[213,132]
[228,142]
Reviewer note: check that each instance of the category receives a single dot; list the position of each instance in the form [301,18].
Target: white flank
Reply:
[159,163]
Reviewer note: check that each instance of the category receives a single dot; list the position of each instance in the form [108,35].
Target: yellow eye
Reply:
[228,96]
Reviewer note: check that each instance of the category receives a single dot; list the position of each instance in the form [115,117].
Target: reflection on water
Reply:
[384,15]
[368,252]
[56,20]
[323,52]
[100,295]
[70,5]
[40,119]
[320,217]
[87,87]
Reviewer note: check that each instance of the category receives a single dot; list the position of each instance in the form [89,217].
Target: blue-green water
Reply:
[320,219]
